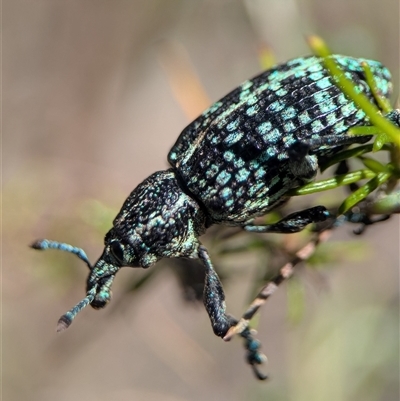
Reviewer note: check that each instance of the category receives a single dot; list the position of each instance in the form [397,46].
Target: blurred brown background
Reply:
[88,112]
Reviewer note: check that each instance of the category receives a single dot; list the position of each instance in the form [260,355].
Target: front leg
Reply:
[214,297]
[214,301]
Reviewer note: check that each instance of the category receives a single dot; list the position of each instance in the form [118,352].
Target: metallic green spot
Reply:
[289,113]
[304,118]
[242,175]
[317,126]
[223,177]
[289,127]
[229,156]
[276,106]
[233,138]
[263,128]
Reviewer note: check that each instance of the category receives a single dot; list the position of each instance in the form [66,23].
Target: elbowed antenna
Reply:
[65,320]
[44,244]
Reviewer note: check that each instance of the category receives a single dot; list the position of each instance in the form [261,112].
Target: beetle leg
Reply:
[363,218]
[334,140]
[214,301]
[214,297]
[293,223]
[253,356]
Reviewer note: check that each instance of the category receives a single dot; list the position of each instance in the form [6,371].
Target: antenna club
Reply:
[63,323]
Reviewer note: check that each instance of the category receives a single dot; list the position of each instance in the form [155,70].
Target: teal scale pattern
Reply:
[236,157]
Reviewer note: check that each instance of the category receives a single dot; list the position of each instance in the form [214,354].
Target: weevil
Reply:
[235,162]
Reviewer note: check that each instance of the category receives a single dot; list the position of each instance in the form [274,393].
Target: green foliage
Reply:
[387,141]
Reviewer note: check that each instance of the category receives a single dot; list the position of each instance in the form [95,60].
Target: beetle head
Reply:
[159,219]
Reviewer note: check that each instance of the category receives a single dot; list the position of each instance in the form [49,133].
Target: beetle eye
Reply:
[117,251]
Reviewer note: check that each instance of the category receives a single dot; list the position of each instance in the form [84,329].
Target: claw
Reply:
[238,328]
[259,375]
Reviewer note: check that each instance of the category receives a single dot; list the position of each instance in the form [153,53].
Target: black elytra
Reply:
[235,162]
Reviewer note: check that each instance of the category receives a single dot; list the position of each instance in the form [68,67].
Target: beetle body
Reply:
[235,162]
